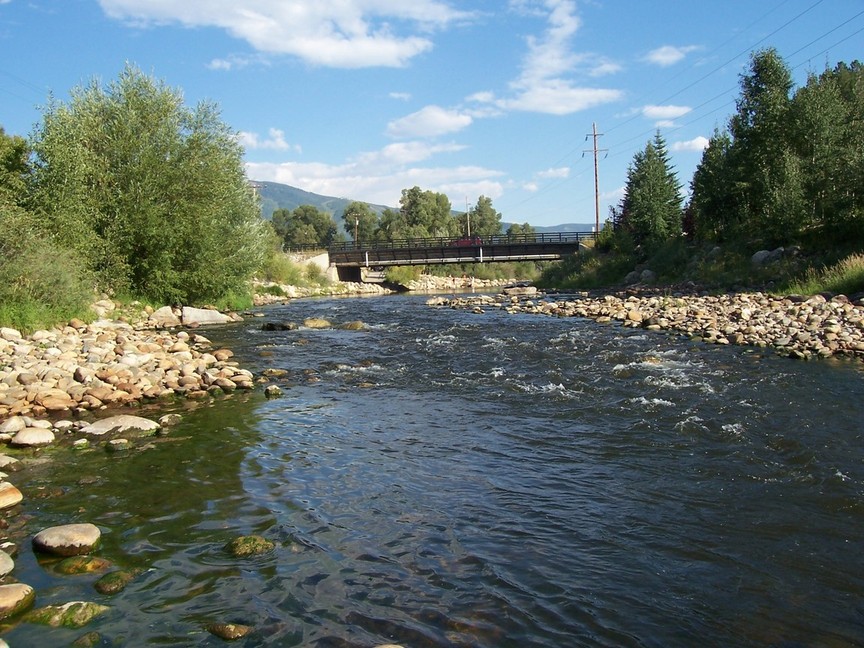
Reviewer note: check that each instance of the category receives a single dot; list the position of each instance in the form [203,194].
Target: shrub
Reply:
[41,284]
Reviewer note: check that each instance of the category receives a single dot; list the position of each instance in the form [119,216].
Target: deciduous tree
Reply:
[151,193]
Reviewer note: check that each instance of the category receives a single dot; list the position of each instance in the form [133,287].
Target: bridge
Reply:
[354,259]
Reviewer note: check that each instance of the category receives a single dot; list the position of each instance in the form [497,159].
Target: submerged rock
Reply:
[249,546]
[82,565]
[75,614]
[116,581]
[229,631]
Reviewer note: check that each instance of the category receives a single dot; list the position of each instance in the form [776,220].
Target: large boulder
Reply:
[204,316]
[166,316]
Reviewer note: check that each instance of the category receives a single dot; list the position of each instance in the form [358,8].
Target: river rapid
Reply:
[447,478]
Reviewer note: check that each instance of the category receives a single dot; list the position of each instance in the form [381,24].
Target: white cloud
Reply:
[274,141]
[560,172]
[406,153]
[544,85]
[531,187]
[401,96]
[697,144]
[336,33]
[430,121]
[665,112]
[668,54]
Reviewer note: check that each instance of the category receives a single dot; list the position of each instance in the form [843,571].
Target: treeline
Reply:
[788,168]
[421,214]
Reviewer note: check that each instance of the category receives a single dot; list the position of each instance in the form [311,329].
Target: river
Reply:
[448,478]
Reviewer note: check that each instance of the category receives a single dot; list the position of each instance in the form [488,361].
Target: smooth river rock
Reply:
[121,423]
[6,564]
[68,539]
[9,496]
[32,437]
[15,598]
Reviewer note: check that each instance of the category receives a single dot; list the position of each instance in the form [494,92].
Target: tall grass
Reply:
[845,277]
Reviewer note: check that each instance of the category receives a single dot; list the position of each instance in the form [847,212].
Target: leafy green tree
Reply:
[524,229]
[422,214]
[150,193]
[481,220]
[768,180]
[426,214]
[651,207]
[14,168]
[306,225]
[827,115]
[358,217]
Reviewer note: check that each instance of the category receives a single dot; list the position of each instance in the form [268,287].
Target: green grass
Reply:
[845,277]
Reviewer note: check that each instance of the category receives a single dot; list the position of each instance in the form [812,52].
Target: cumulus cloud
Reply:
[274,141]
[430,121]
[335,33]
[668,55]
[545,83]
[697,144]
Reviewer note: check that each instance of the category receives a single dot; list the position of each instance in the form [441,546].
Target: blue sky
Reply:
[363,98]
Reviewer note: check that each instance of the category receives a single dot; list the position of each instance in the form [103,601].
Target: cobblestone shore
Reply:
[795,325]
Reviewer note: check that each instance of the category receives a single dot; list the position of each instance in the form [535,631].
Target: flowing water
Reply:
[447,478]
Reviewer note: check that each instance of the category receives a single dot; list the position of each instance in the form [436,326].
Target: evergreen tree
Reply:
[651,207]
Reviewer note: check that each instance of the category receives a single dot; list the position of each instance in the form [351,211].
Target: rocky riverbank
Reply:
[796,326]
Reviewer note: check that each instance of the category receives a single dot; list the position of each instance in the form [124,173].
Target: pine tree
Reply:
[651,207]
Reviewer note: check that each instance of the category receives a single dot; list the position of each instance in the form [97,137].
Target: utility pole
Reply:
[595,135]
[468,216]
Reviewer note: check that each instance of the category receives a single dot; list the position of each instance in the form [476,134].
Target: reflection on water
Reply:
[453,479]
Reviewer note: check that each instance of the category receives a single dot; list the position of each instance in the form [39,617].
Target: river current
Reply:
[448,478]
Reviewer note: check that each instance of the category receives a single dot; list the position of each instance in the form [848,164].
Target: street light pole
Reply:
[356,224]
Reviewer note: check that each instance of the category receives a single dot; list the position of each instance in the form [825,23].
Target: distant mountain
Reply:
[281,196]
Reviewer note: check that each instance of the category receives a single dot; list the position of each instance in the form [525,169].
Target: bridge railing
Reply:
[544,238]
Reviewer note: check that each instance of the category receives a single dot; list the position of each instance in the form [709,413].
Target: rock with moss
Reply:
[75,614]
[88,640]
[116,581]
[229,631]
[317,323]
[249,546]
[356,325]
[82,565]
